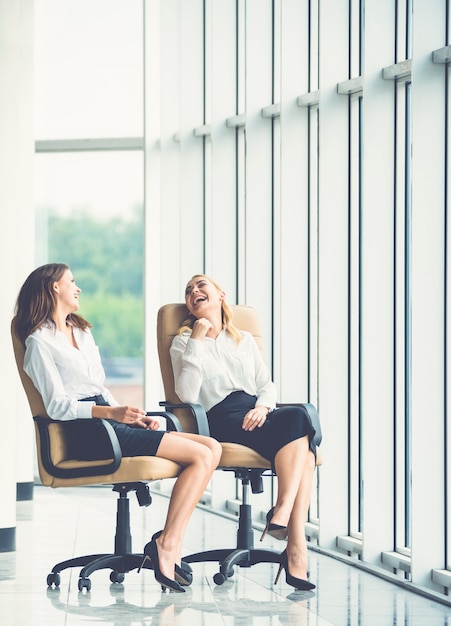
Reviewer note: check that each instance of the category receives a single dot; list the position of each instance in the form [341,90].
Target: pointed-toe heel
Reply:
[275,530]
[151,552]
[297,583]
[183,573]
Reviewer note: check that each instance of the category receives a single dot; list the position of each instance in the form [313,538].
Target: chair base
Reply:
[228,558]
[122,560]
[244,554]
[120,564]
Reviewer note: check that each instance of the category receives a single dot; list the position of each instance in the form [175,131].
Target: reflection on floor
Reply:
[59,523]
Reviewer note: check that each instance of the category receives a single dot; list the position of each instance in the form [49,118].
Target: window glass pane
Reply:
[88,68]
[89,209]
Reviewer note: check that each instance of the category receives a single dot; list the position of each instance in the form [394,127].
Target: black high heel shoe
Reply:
[297,583]
[275,530]
[151,552]
[183,573]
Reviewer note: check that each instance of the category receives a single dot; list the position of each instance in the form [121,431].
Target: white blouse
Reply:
[62,374]
[207,371]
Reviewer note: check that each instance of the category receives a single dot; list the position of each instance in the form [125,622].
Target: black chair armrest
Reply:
[86,429]
[197,411]
[173,422]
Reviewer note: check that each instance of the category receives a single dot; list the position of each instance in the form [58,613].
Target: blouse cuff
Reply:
[266,401]
[84,410]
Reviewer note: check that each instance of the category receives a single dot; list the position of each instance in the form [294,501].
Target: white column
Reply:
[333,270]
[291,307]
[428,304]
[152,378]
[190,102]
[16,249]
[220,208]
[257,265]
[378,266]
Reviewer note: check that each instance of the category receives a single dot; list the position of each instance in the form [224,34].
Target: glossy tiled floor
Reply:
[57,524]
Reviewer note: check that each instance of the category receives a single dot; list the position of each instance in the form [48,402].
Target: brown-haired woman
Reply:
[64,364]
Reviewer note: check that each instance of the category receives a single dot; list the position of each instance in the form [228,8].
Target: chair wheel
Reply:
[219,578]
[117,577]
[84,583]
[53,579]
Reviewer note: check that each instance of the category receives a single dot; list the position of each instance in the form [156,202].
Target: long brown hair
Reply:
[36,301]
[226,312]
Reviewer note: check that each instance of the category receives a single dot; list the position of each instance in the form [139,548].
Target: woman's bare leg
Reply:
[289,464]
[295,466]
[297,544]
[200,456]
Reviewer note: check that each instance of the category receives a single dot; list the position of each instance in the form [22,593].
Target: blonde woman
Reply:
[221,368]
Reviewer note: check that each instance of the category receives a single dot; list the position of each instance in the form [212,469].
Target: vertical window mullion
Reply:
[447,273]
[240,135]
[403,320]
[354,268]
[399,320]
[408,321]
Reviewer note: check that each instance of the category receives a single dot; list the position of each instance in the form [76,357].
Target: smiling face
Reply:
[67,293]
[203,296]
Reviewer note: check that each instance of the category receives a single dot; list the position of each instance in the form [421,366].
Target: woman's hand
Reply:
[201,328]
[255,418]
[147,422]
[133,417]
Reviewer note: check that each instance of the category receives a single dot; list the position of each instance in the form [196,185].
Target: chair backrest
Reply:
[34,397]
[58,445]
[170,318]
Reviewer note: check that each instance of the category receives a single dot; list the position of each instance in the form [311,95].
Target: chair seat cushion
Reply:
[131,469]
[237,455]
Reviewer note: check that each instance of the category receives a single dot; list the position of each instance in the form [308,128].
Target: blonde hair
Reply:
[226,312]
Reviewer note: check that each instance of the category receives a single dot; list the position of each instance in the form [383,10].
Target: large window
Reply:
[89,169]
[86,84]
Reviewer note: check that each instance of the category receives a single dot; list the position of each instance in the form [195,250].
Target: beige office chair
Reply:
[59,467]
[247,465]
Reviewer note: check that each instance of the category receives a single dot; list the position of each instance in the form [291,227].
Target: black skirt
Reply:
[133,441]
[283,425]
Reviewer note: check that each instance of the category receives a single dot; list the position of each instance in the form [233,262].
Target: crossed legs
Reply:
[295,466]
[200,456]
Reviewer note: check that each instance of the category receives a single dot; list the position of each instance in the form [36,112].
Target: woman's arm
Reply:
[40,366]
[61,396]
[186,358]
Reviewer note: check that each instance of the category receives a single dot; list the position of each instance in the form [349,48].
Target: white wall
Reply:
[17,240]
